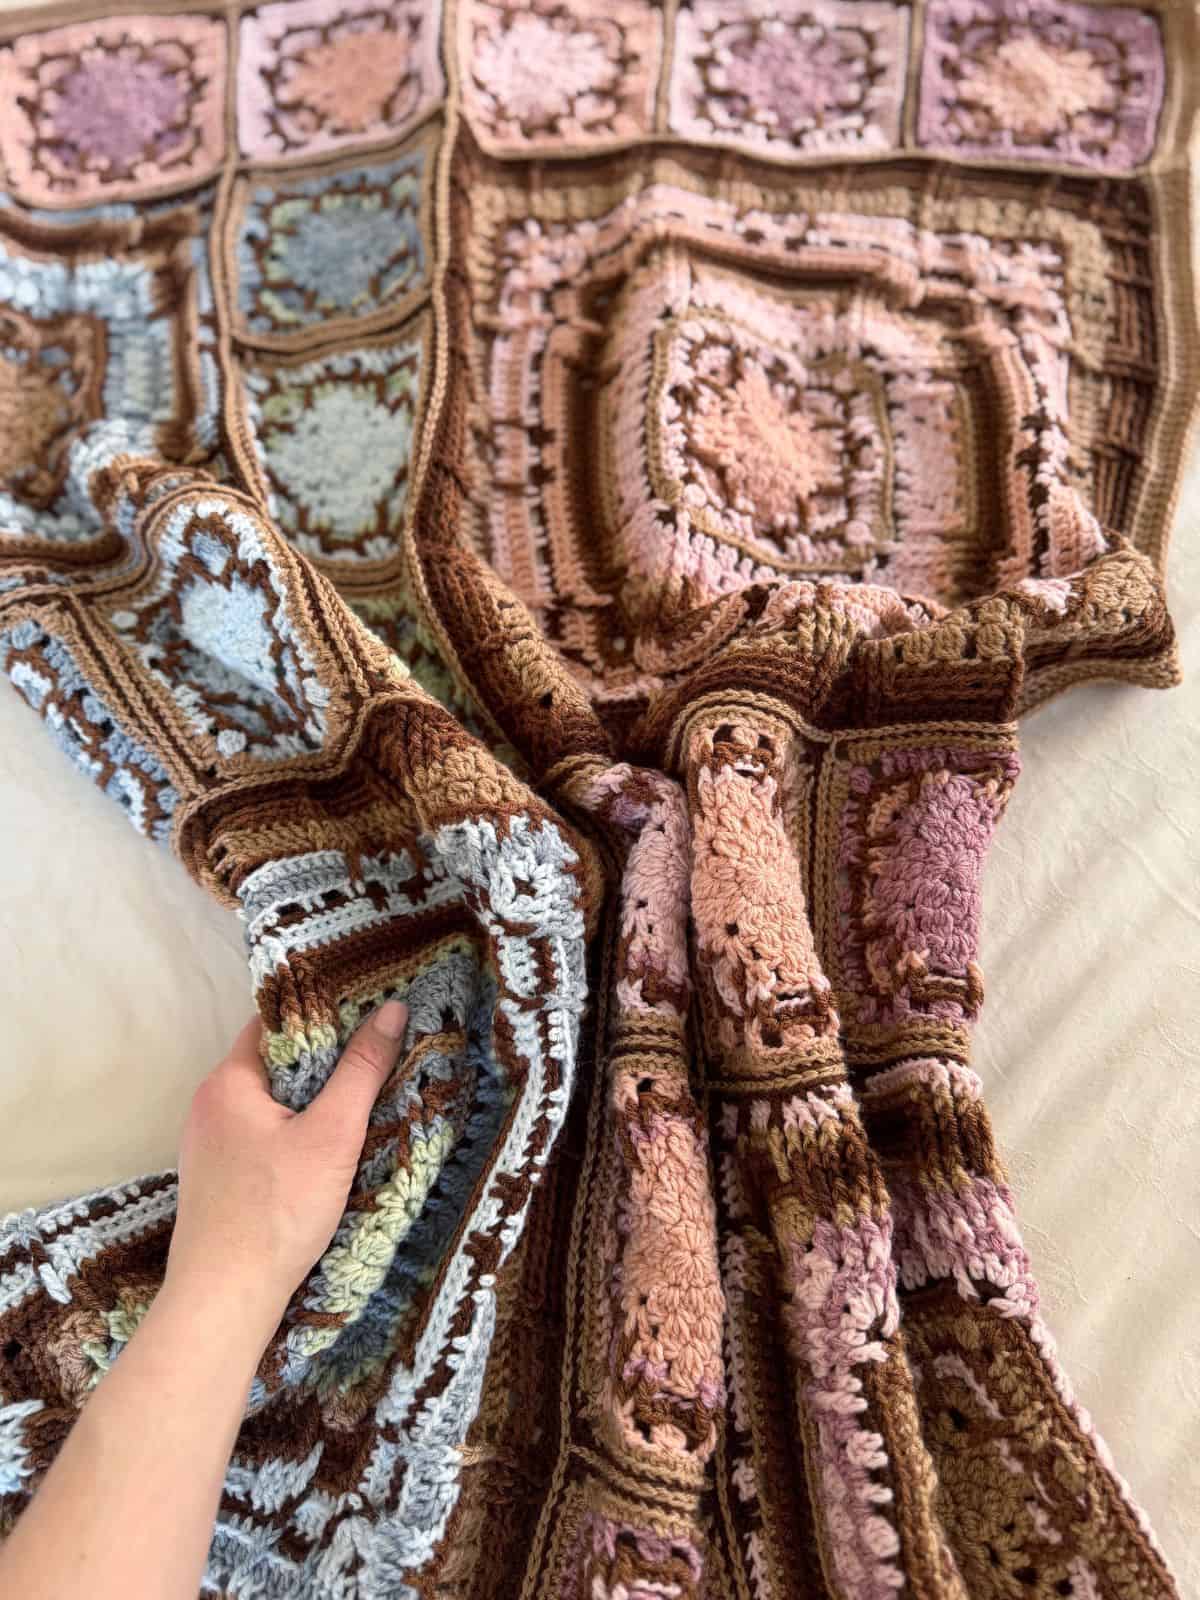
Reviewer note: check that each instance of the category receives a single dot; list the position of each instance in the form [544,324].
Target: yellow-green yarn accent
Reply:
[285,1049]
[354,1270]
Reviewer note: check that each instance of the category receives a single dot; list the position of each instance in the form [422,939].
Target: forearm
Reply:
[128,1507]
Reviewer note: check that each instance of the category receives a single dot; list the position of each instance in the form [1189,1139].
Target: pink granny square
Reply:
[1079,85]
[317,75]
[549,76]
[793,76]
[111,109]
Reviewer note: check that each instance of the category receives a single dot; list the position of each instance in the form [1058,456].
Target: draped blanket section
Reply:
[552,511]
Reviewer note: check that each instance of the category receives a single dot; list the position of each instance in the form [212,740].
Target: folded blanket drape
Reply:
[553,512]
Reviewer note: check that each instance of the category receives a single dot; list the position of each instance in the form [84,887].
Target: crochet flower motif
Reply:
[542,71]
[340,245]
[108,108]
[368,240]
[33,412]
[749,910]
[551,73]
[788,80]
[669,1284]
[84,1345]
[220,639]
[117,108]
[342,501]
[917,834]
[349,80]
[339,504]
[1075,83]
[1036,88]
[315,75]
[771,457]
[814,74]
[51,374]
[929,838]
[78,1353]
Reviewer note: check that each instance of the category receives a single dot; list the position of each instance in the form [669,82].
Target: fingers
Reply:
[344,1104]
[244,1062]
[248,1044]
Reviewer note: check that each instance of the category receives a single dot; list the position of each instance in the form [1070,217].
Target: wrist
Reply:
[236,1310]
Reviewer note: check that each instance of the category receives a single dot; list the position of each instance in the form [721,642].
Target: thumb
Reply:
[344,1104]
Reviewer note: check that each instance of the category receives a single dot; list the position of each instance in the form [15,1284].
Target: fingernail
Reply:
[392,1018]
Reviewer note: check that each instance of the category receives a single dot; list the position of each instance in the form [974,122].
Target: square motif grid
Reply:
[1079,85]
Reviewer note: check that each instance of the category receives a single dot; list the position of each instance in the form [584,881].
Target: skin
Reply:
[129,1505]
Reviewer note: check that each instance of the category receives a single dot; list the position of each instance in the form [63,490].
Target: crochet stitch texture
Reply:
[553,510]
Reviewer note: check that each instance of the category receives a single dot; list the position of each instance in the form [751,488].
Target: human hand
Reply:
[262,1188]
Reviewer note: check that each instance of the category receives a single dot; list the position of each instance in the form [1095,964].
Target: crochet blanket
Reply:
[552,511]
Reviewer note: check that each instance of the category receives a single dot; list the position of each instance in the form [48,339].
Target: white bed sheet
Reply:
[121,983]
